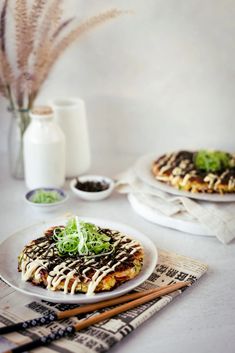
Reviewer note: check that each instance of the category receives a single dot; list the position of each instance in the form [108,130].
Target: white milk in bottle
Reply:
[44,150]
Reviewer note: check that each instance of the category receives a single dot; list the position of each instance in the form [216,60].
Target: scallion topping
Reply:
[81,238]
[42,196]
[212,161]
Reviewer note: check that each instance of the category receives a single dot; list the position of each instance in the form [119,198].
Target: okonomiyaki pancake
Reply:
[41,263]
[197,172]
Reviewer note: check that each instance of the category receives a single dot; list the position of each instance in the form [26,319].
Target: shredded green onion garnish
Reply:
[81,238]
[42,196]
[212,161]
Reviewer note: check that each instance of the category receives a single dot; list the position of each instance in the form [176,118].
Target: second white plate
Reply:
[142,169]
[181,221]
[12,246]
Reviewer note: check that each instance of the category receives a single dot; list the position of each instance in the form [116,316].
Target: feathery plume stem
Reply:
[61,27]
[3,25]
[42,36]
[65,42]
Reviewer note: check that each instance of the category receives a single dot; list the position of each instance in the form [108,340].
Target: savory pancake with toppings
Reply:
[81,257]
[202,171]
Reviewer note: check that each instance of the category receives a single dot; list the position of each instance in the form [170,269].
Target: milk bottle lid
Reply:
[41,111]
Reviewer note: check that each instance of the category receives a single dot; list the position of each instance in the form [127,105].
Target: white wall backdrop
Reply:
[158,79]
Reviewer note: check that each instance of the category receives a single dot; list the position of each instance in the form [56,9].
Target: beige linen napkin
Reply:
[219,218]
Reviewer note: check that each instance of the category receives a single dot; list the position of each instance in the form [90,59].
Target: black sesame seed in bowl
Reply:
[92,187]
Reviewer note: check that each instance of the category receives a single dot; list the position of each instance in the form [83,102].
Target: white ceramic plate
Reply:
[12,246]
[143,171]
[180,221]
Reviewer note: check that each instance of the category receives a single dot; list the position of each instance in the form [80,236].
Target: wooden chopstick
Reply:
[129,305]
[45,340]
[43,320]
[125,298]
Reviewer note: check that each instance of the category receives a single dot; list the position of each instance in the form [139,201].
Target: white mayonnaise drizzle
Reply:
[213,180]
[69,270]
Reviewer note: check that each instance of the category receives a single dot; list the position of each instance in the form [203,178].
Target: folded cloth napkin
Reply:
[218,218]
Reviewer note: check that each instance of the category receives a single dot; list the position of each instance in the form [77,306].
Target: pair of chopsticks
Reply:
[130,301]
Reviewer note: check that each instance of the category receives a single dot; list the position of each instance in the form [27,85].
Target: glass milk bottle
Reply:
[44,150]
[70,115]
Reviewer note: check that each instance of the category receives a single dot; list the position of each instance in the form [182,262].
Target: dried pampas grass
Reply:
[54,52]
[41,37]
[6,74]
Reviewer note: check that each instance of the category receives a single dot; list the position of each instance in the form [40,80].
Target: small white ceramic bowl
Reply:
[92,195]
[46,206]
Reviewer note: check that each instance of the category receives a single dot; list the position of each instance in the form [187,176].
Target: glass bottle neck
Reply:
[41,119]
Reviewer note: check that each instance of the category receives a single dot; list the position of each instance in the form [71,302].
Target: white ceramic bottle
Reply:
[70,115]
[44,150]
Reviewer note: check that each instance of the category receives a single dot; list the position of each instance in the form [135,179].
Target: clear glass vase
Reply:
[19,122]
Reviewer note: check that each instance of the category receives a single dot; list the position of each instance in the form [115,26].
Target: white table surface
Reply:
[202,320]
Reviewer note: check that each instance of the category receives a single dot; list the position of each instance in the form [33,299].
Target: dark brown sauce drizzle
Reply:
[45,248]
[198,175]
